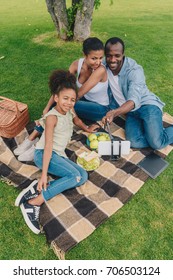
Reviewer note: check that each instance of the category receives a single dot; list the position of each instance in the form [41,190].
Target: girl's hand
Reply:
[42,183]
[93,128]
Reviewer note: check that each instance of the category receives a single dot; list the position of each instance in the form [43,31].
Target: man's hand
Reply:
[109,117]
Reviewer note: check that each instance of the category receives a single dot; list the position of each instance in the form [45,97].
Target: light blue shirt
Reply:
[132,83]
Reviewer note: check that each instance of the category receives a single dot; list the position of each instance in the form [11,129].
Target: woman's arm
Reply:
[49,130]
[97,76]
[49,104]
[73,67]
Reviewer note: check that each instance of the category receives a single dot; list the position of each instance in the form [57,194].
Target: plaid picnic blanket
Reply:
[70,217]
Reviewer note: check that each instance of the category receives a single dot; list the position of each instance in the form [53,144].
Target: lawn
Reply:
[29,51]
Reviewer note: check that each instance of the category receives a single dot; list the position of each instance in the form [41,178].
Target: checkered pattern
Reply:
[70,217]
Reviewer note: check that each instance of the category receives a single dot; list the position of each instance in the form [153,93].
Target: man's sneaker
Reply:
[28,193]
[31,216]
[24,146]
[27,155]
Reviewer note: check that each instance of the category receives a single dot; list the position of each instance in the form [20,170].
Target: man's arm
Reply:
[123,109]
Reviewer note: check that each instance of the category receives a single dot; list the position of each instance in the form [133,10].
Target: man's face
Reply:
[114,57]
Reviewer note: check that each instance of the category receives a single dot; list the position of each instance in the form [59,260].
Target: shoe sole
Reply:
[27,220]
[21,194]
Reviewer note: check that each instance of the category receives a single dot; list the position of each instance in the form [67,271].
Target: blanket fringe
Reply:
[7,181]
[58,252]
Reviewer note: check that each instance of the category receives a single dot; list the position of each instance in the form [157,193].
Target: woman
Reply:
[92,81]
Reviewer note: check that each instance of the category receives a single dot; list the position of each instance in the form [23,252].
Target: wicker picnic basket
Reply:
[13,117]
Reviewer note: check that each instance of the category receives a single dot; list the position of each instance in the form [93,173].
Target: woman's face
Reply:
[94,59]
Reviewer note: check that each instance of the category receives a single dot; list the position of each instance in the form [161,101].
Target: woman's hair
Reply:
[114,41]
[92,44]
[61,79]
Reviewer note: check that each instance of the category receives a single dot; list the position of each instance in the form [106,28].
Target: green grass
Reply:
[142,229]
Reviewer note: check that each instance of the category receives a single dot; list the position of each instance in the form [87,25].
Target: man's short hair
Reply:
[113,41]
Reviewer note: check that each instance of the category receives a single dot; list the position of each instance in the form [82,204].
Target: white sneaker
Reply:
[27,155]
[24,146]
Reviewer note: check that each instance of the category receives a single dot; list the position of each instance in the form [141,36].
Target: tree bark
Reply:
[57,10]
[50,9]
[83,21]
[80,30]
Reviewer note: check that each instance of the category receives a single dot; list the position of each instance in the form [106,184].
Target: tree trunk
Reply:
[50,9]
[57,10]
[83,20]
[74,2]
[80,29]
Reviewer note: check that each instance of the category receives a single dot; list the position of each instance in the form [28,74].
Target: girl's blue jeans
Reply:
[144,128]
[71,175]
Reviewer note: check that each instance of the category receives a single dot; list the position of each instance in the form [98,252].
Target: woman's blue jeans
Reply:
[90,110]
[144,128]
[72,175]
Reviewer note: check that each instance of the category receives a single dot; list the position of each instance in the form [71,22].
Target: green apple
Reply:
[92,136]
[107,138]
[94,144]
[101,137]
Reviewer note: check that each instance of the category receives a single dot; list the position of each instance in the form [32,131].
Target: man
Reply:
[129,95]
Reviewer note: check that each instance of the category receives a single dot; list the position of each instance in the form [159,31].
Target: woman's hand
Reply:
[42,183]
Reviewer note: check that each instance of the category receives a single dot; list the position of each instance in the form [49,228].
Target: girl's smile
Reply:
[65,100]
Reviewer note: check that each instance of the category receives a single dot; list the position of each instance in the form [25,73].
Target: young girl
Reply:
[92,83]
[50,150]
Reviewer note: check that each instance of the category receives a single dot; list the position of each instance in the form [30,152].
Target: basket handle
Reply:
[17,112]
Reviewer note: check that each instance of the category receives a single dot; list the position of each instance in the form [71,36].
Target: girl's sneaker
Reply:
[24,146]
[28,155]
[28,193]
[31,216]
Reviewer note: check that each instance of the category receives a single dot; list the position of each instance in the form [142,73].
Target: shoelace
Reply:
[31,195]
[36,212]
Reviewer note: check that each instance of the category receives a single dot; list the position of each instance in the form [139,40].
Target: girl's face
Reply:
[94,59]
[65,101]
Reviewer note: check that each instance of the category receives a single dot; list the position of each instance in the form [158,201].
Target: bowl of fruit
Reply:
[94,138]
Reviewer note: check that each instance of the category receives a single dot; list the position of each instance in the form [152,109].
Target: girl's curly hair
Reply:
[61,79]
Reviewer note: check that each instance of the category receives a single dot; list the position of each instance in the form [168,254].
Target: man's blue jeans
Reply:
[90,110]
[72,175]
[144,128]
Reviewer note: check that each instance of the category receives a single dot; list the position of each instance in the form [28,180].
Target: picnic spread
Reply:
[73,215]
